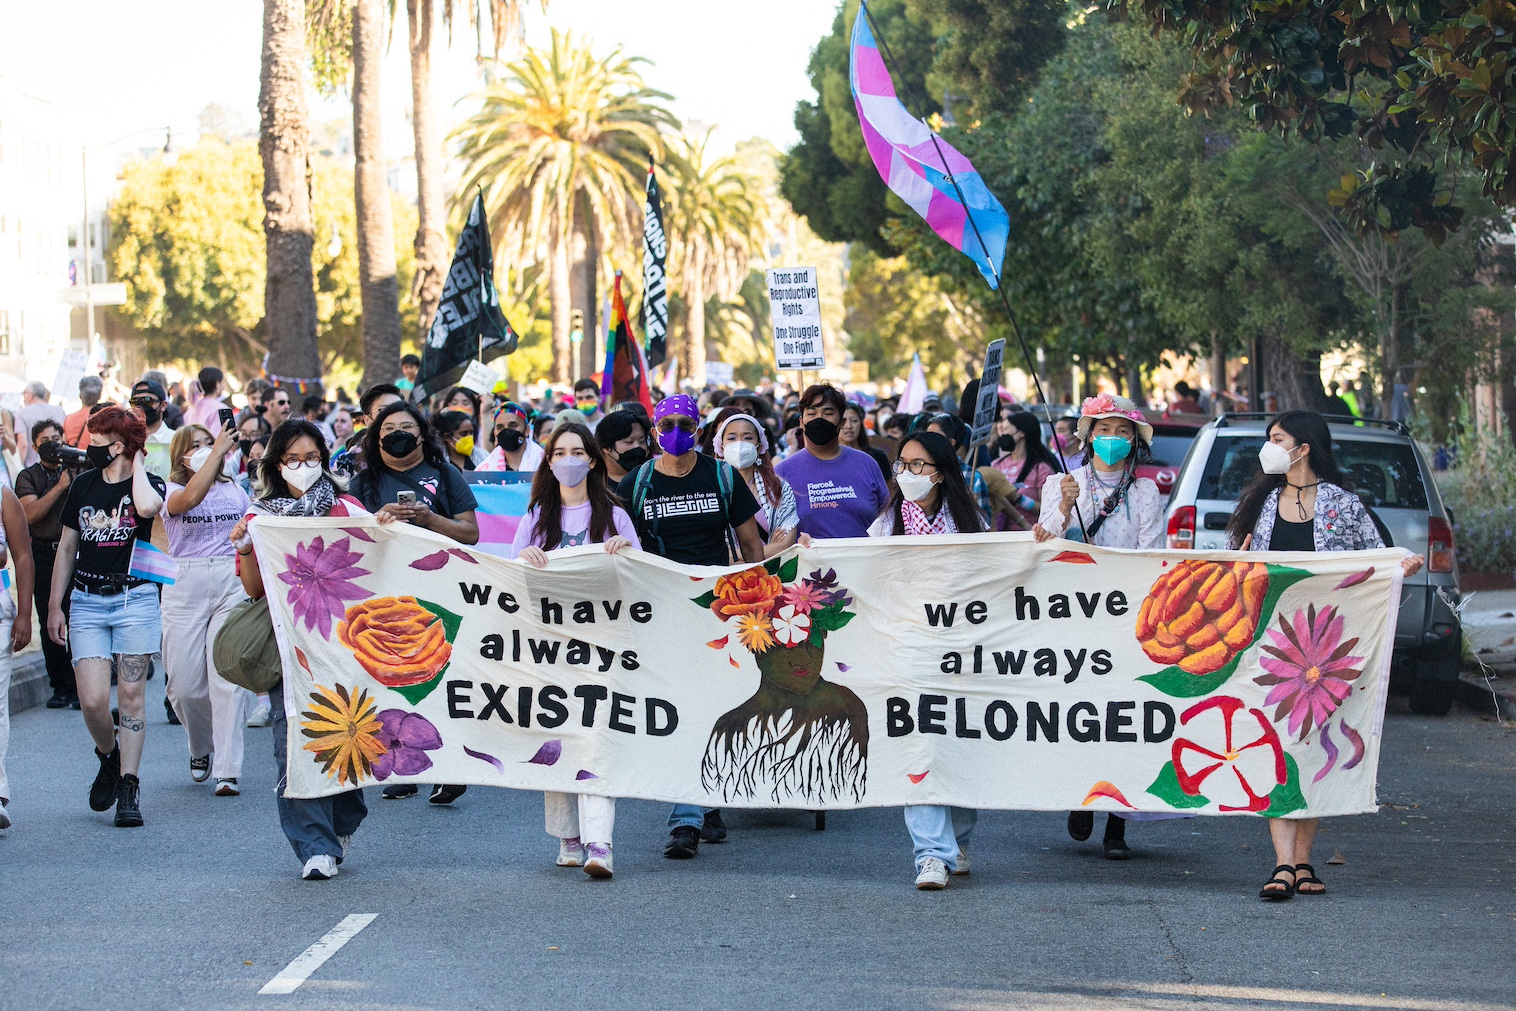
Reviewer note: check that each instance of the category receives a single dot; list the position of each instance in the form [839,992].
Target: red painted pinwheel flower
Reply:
[319,580]
[1309,668]
[1236,769]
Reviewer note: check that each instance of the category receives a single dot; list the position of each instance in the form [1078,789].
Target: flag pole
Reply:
[1026,352]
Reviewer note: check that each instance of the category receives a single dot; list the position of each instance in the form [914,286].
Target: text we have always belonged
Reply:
[1001,674]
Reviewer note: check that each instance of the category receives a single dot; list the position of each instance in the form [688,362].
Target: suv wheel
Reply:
[1432,698]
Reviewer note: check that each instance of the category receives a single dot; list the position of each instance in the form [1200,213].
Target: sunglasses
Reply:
[681,422]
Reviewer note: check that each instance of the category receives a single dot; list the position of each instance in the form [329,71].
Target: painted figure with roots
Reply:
[799,735]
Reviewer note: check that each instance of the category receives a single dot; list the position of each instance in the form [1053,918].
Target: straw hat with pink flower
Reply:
[1107,405]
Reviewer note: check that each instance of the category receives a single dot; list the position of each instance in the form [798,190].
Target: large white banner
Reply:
[983,671]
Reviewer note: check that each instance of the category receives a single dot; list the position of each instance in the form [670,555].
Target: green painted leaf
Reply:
[789,569]
[1166,788]
[450,621]
[706,599]
[1286,798]
[415,693]
[771,566]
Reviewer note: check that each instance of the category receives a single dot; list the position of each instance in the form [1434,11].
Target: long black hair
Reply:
[1307,428]
[431,450]
[547,499]
[1030,428]
[270,482]
[953,492]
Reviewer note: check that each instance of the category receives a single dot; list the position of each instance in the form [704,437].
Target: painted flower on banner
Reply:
[770,606]
[407,737]
[751,591]
[1199,615]
[396,639]
[755,632]
[344,732]
[320,581]
[804,596]
[1230,754]
[1309,667]
[791,629]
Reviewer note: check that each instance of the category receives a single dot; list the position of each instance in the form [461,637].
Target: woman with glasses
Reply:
[931,497]
[684,504]
[515,449]
[296,480]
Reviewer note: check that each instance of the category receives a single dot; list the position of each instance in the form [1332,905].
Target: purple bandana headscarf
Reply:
[679,403]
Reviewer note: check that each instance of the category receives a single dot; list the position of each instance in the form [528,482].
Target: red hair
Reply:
[121,425]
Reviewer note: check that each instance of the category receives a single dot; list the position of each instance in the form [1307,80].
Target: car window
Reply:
[1169,450]
[1384,474]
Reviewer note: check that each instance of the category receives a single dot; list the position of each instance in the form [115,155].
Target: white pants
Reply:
[582,816]
[212,709]
[7,618]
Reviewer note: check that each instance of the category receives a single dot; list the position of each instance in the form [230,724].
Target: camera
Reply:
[57,452]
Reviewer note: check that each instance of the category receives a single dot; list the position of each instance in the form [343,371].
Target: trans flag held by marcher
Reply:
[910,159]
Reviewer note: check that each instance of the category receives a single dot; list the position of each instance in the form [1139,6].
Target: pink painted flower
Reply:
[1236,770]
[319,580]
[804,596]
[1309,668]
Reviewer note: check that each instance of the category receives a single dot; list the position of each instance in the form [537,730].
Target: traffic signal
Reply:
[576,325]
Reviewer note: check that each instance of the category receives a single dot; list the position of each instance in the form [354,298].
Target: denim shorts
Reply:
[128,623]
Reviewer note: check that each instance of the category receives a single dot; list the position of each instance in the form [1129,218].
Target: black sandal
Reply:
[1286,889]
[1310,879]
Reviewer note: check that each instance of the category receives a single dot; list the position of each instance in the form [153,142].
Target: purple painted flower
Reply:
[318,577]
[407,738]
[1309,668]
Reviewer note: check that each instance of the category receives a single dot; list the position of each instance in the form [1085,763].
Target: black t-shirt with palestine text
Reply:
[687,513]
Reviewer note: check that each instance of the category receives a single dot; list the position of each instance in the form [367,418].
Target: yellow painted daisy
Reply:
[344,731]
[755,631]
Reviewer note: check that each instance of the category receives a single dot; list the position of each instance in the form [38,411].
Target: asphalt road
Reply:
[203,907]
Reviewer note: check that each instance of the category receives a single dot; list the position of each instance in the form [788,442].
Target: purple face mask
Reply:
[678,442]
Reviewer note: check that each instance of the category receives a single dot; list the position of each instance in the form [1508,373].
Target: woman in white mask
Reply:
[204,503]
[571,505]
[742,441]
[932,497]
[1299,502]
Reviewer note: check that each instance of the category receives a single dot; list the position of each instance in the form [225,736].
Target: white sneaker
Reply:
[933,875]
[570,853]
[319,868]
[5,818]
[346,841]
[227,788]
[963,862]
[598,861]
[261,716]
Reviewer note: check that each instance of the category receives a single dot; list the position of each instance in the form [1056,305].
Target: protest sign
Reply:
[479,377]
[1055,676]
[719,373]
[989,390]
[71,365]
[795,309]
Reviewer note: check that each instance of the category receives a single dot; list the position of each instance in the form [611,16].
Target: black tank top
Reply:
[1289,536]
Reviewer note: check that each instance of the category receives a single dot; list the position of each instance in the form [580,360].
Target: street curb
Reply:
[29,684]
[1497,696]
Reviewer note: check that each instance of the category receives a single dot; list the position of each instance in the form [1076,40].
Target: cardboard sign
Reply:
[989,391]
[719,373]
[795,309]
[479,377]
[71,366]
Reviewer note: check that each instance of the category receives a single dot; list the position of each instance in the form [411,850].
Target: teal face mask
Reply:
[1111,449]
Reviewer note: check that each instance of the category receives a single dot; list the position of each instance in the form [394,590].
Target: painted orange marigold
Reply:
[1199,615]
[397,641]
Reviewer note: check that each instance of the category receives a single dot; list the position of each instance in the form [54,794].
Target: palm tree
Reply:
[563,136]
[716,221]
[289,294]
[378,285]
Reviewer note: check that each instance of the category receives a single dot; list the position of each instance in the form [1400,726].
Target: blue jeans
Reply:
[692,815]
[313,827]
[938,831]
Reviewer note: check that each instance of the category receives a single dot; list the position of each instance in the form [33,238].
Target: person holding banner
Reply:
[743,442]
[839,490]
[931,497]
[297,480]
[107,517]
[1116,509]
[572,505]
[1298,502]
[203,505]
[685,506]
[515,449]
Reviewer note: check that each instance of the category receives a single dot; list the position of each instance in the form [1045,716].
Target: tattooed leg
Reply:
[93,678]
[131,699]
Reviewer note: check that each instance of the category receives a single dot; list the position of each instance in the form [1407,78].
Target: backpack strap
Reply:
[724,481]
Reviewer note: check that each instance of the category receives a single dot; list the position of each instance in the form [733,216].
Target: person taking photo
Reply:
[41,488]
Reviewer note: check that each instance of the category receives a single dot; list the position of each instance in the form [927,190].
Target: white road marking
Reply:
[312,958]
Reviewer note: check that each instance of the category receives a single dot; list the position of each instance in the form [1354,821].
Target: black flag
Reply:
[469,323]
[655,296]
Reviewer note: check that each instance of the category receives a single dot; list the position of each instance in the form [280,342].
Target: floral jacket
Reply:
[1342,521]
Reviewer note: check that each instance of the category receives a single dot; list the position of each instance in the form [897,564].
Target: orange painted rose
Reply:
[397,641]
[1200,615]
[750,591]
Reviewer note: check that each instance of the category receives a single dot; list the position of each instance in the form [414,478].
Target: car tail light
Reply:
[1440,553]
[1182,528]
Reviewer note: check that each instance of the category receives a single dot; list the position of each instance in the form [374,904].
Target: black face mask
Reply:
[820,432]
[400,443]
[632,458]
[511,440]
[245,446]
[100,457]
[151,415]
[1007,443]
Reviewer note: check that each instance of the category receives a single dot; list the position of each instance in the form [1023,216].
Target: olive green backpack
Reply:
[246,652]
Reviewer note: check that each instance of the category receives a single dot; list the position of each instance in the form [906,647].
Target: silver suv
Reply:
[1388,471]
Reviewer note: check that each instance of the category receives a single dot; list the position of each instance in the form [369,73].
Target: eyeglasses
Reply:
[145,402]
[293,461]
[680,422]
[914,466]
[410,427]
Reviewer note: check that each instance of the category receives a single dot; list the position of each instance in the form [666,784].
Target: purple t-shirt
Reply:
[202,532]
[836,498]
[575,521]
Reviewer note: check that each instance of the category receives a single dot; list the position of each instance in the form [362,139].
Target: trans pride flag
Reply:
[908,160]
[501,506]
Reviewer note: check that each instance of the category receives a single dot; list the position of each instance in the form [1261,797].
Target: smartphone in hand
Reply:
[405,498]
[226,414]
